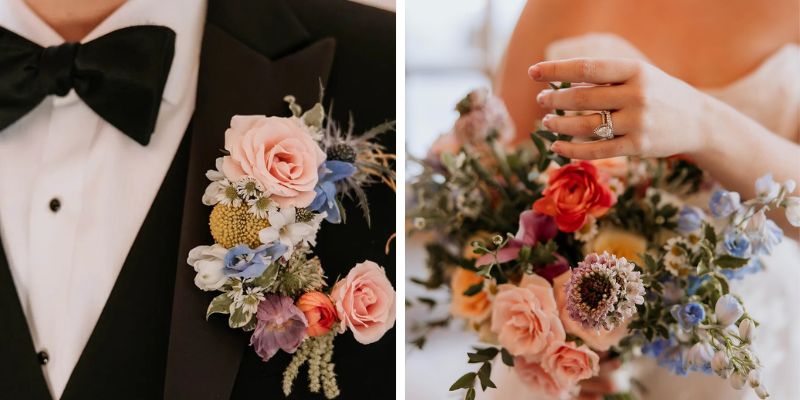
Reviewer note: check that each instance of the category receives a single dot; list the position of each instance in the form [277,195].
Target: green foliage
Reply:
[483,356]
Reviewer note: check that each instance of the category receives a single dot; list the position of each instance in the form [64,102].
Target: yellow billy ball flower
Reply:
[231,226]
[619,243]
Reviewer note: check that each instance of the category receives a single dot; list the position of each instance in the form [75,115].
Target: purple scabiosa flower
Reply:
[281,325]
[603,291]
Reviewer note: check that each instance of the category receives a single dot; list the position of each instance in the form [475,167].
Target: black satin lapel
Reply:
[204,356]
[20,370]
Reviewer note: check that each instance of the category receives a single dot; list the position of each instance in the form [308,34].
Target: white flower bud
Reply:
[728,310]
[754,378]
[747,330]
[761,392]
[721,365]
[793,210]
[738,380]
[699,355]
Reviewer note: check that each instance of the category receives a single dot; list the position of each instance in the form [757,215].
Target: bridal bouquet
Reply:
[278,180]
[609,258]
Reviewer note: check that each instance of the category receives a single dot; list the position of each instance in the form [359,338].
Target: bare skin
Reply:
[73,19]
[692,44]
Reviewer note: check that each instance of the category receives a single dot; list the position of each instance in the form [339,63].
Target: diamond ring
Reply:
[606,129]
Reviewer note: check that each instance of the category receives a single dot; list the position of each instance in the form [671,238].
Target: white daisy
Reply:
[284,228]
[261,206]
[676,260]
[221,191]
[248,188]
[588,231]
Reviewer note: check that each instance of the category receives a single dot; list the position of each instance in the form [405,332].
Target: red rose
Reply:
[573,193]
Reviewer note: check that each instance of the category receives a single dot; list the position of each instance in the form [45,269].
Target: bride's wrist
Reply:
[709,130]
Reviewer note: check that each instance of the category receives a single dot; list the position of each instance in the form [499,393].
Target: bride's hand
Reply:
[653,114]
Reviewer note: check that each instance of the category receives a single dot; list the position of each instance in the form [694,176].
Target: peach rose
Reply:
[525,317]
[533,374]
[365,301]
[600,340]
[319,311]
[570,364]
[620,243]
[574,192]
[278,153]
[475,307]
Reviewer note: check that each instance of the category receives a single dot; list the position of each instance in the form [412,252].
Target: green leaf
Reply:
[485,376]
[560,113]
[474,289]
[553,86]
[268,278]
[239,318]
[419,342]
[543,161]
[508,359]
[710,234]
[427,301]
[565,85]
[465,382]
[547,135]
[220,305]
[730,262]
[470,394]
[483,355]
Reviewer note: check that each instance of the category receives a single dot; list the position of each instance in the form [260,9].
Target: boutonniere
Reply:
[278,180]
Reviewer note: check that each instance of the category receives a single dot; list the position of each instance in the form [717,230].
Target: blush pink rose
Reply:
[600,340]
[570,364]
[365,302]
[533,374]
[525,317]
[277,152]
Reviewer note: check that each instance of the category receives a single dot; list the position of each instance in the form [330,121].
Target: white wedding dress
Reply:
[770,95]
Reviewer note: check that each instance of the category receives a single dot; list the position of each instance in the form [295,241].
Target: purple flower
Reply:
[533,228]
[281,325]
[603,291]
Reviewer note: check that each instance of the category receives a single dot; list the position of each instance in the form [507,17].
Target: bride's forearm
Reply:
[738,150]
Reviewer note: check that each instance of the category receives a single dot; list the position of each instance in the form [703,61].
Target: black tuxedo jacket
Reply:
[152,340]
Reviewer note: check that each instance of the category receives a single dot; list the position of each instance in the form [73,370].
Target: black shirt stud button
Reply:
[55,204]
[43,357]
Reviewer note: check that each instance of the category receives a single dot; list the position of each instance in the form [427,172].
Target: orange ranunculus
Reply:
[475,307]
[319,311]
[574,192]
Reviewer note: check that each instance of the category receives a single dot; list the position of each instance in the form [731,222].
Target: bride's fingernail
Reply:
[535,72]
[547,120]
[540,98]
[556,146]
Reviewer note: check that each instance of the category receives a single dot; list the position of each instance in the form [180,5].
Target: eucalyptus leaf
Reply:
[470,394]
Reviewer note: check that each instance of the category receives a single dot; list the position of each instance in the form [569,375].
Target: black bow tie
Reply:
[121,76]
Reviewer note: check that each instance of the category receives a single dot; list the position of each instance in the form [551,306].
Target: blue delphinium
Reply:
[765,239]
[244,262]
[724,203]
[689,315]
[330,172]
[690,219]
[668,353]
[736,243]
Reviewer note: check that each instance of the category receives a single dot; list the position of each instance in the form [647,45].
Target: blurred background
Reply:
[452,46]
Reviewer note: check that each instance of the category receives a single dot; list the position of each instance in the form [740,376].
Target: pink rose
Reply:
[600,340]
[277,152]
[365,300]
[525,317]
[570,364]
[533,374]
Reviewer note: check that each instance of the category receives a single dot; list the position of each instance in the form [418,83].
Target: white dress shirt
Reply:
[64,263]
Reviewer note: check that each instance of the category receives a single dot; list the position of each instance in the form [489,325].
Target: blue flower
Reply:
[694,283]
[688,315]
[668,353]
[724,203]
[690,219]
[736,244]
[752,267]
[244,262]
[766,238]
[330,172]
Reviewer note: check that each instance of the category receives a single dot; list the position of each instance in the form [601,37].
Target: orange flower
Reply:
[319,311]
[574,192]
[475,307]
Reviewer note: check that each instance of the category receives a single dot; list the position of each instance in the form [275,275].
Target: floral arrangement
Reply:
[610,258]
[277,181]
